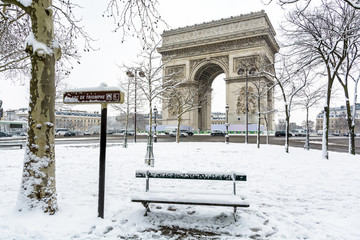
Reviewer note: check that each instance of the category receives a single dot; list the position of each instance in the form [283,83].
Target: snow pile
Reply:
[292,196]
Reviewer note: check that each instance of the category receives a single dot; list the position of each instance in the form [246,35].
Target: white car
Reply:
[182,134]
[61,132]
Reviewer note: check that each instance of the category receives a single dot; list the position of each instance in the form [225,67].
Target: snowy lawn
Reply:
[292,196]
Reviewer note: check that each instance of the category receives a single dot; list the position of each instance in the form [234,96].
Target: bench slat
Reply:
[190,175]
[190,199]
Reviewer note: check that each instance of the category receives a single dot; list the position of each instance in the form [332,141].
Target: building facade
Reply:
[337,120]
[78,120]
[66,119]
[218,118]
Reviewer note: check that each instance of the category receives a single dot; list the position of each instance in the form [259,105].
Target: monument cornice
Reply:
[221,38]
[229,44]
[220,22]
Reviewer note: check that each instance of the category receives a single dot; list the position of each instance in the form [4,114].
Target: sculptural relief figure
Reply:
[172,110]
[240,106]
[241,101]
[252,101]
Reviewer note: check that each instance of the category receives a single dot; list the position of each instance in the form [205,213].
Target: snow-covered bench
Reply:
[199,198]
[11,145]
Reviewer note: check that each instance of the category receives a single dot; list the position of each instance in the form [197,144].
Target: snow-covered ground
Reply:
[292,196]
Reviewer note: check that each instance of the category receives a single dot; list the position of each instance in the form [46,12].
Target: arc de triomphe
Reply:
[201,52]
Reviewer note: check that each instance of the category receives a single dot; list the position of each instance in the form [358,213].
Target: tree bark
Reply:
[287,131]
[350,125]
[178,129]
[258,127]
[38,188]
[307,141]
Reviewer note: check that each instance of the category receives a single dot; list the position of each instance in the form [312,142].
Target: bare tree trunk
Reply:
[259,118]
[38,187]
[325,135]
[258,128]
[178,129]
[149,157]
[287,118]
[351,127]
[126,128]
[354,107]
[267,130]
[307,141]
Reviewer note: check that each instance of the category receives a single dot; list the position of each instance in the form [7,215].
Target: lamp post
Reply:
[155,136]
[133,73]
[241,72]
[1,111]
[227,124]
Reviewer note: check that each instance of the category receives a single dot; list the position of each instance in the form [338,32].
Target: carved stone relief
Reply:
[224,60]
[214,31]
[241,101]
[172,107]
[214,48]
[177,71]
[194,63]
[249,62]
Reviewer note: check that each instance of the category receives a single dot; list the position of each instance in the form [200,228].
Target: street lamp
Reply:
[133,73]
[155,112]
[227,124]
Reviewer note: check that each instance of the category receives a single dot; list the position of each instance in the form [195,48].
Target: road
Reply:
[337,144]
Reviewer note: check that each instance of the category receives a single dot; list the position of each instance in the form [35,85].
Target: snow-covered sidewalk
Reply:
[292,196]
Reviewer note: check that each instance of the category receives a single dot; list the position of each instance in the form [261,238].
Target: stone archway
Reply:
[201,52]
[204,73]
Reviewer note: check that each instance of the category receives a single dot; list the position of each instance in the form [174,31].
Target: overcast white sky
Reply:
[100,66]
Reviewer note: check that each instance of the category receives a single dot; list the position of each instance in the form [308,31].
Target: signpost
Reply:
[102,95]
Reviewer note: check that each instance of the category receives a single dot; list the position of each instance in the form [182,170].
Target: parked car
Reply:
[87,133]
[190,133]
[298,133]
[130,132]
[3,134]
[70,133]
[61,133]
[281,134]
[216,132]
[182,134]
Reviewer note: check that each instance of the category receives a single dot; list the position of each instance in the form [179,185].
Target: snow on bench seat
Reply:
[199,198]
[190,199]
[193,175]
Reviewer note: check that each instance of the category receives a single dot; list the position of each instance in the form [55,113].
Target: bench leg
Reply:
[147,208]
[235,214]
